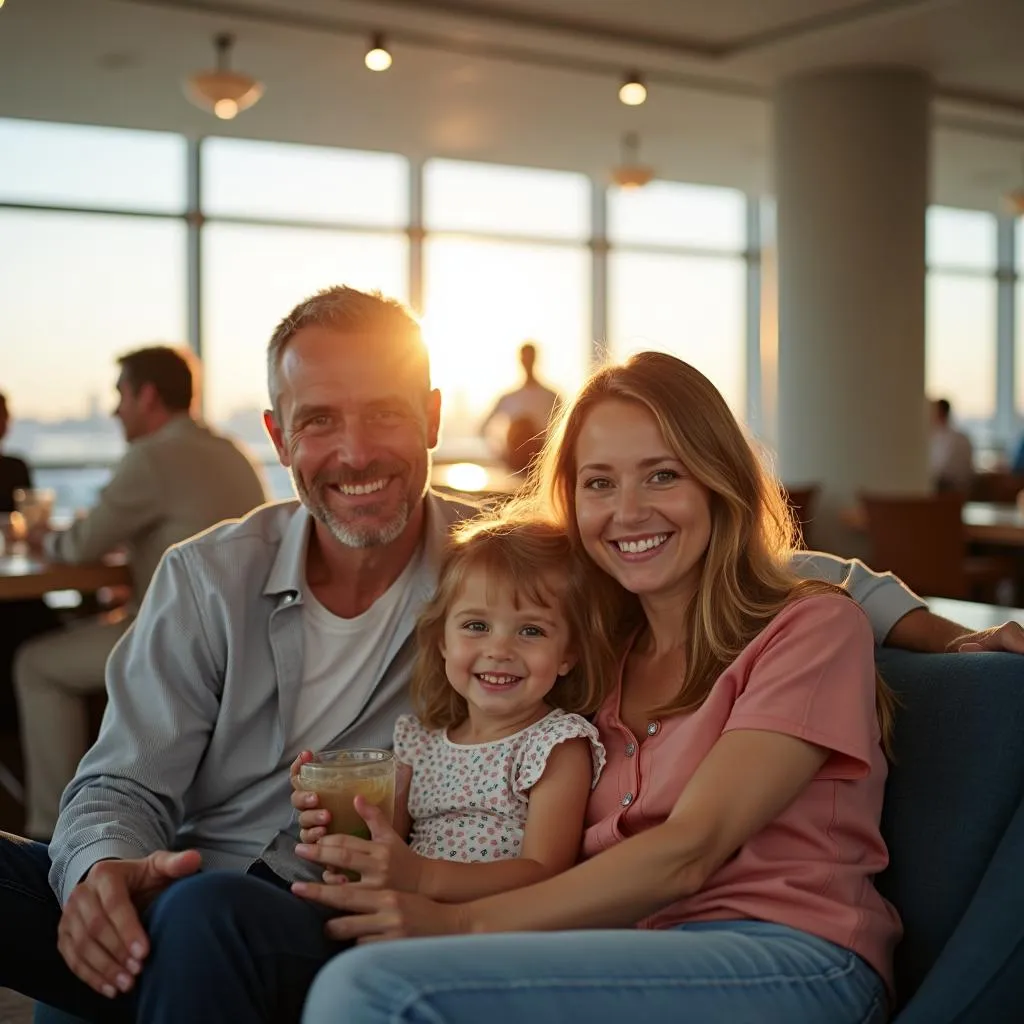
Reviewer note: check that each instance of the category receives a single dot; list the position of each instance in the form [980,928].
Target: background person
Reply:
[525,414]
[178,477]
[951,454]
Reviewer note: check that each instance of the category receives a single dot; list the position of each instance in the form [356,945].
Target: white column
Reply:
[851,152]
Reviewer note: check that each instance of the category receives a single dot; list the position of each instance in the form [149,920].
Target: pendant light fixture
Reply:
[631,173]
[223,91]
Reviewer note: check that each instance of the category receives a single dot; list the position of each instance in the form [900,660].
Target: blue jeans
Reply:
[733,972]
[226,947]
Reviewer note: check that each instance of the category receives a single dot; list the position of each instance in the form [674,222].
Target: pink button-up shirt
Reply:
[810,673]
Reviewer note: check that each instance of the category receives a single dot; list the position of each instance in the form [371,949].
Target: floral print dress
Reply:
[468,802]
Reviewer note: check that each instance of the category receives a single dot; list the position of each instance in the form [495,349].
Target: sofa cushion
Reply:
[957,779]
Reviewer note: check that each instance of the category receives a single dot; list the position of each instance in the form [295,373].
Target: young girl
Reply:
[502,760]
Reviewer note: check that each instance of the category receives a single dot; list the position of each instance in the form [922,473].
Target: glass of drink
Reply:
[35,505]
[339,776]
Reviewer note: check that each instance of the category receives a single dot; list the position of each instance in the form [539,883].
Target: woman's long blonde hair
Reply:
[535,557]
[746,577]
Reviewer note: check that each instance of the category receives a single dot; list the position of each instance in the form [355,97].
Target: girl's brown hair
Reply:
[746,577]
[536,558]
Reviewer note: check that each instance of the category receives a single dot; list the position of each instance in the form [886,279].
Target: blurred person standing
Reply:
[951,454]
[177,478]
[528,410]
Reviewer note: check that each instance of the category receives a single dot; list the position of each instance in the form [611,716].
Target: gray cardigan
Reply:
[203,689]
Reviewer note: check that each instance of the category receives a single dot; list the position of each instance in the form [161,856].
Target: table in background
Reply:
[26,576]
[972,614]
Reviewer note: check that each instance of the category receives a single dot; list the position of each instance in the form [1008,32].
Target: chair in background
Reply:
[802,501]
[922,540]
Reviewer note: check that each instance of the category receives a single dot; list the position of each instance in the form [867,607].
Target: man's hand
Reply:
[1007,637]
[100,935]
[383,861]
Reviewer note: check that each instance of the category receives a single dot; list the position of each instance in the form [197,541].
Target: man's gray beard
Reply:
[351,534]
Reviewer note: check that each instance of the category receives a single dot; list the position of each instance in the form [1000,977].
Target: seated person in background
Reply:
[528,411]
[14,472]
[951,456]
[177,478]
[502,760]
[289,631]
[20,619]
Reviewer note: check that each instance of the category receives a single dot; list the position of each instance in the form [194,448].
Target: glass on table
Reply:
[34,505]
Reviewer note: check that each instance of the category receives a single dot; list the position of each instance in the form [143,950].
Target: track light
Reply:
[222,90]
[633,92]
[378,56]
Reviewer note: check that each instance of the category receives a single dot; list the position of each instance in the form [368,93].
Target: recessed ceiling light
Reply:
[633,92]
[378,56]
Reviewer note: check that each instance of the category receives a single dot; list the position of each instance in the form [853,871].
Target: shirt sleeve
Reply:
[164,679]
[408,742]
[883,596]
[815,679]
[131,502]
[533,756]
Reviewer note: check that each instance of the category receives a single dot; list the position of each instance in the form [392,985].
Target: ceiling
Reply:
[528,81]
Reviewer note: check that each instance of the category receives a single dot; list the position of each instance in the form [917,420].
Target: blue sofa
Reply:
[954,823]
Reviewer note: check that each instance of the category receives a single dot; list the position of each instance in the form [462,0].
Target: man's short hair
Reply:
[349,311]
[943,406]
[173,372]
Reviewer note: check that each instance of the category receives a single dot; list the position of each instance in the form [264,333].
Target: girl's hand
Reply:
[375,915]
[383,861]
[313,819]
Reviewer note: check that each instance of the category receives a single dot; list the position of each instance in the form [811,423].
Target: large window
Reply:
[252,276]
[690,306]
[961,315]
[485,293]
[677,279]
[483,299]
[93,168]
[77,291]
[274,181]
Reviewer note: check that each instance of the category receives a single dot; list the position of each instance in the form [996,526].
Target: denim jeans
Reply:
[226,947]
[733,972]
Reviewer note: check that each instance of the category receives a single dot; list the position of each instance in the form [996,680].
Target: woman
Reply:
[732,840]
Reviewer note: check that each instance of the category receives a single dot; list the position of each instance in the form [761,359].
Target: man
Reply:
[292,629]
[526,413]
[951,455]
[177,478]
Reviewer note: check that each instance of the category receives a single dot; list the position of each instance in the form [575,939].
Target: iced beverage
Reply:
[339,776]
[34,505]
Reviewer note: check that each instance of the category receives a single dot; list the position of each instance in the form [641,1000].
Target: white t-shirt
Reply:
[343,659]
[532,401]
[952,458]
